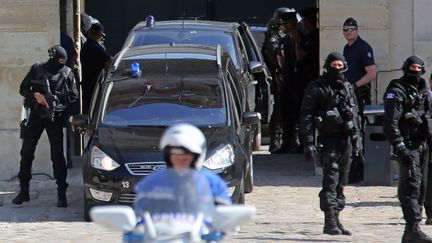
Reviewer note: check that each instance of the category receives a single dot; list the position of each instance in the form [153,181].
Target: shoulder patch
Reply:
[390,96]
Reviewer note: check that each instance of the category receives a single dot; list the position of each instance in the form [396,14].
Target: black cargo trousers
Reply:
[336,158]
[428,197]
[412,189]
[35,126]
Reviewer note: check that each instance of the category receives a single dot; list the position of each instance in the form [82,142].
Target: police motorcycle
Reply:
[175,207]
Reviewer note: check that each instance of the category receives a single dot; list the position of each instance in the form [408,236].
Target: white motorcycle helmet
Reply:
[186,138]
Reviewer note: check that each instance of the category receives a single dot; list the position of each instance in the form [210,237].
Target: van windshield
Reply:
[164,102]
[186,36]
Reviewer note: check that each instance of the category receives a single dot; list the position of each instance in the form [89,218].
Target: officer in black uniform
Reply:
[329,105]
[407,107]
[361,73]
[308,56]
[94,58]
[289,85]
[49,89]
[270,50]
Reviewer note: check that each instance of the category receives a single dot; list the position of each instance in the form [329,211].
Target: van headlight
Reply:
[102,161]
[222,158]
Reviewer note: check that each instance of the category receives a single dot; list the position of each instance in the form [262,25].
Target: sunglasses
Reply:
[349,29]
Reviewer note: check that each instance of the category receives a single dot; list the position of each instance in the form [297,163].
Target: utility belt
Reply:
[415,128]
[331,124]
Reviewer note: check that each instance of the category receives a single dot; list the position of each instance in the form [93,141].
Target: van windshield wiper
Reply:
[145,91]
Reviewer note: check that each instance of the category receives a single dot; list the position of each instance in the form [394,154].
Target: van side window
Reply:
[233,99]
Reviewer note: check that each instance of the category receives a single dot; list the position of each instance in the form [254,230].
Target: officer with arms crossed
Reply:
[407,107]
[184,147]
[329,105]
[361,72]
[49,89]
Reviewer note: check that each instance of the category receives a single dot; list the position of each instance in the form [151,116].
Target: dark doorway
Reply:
[118,17]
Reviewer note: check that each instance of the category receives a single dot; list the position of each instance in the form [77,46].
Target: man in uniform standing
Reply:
[49,90]
[407,107]
[361,72]
[308,56]
[94,58]
[289,85]
[270,50]
[329,105]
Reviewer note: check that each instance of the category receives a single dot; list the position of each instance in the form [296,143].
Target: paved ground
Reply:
[285,196]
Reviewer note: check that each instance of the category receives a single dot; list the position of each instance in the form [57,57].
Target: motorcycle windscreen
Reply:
[175,197]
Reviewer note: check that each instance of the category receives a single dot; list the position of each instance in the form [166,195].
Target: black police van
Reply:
[237,39]
[146,90]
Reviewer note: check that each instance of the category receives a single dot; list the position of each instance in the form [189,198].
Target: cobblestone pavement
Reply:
[285,194]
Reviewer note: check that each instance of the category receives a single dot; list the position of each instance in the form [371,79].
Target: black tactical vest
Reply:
[413,123]
[337,109]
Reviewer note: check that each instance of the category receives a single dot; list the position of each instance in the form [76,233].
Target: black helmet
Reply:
[283,14]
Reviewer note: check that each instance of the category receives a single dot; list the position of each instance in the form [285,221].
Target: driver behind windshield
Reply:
[184,147]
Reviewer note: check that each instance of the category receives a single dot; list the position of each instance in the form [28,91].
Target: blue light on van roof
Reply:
[150,21]
[135,69]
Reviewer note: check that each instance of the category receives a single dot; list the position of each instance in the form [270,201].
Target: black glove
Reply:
[310,152]
[406,158]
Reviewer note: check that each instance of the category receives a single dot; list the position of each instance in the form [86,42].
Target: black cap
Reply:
[350,22]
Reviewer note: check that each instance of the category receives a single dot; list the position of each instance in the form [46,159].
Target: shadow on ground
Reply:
[284,170]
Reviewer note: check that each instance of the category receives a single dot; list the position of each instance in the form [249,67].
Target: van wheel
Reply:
[257,138]
[249,177]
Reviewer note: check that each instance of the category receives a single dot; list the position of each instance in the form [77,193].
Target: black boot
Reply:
[23,196]
[61,198]
[339,224]
[413,234]
[69,164]
[330,226]
[275,143]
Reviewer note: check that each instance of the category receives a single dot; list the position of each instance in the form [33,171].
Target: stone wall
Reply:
[27,29]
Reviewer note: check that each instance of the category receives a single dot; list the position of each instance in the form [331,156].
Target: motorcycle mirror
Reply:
[119,217]
[228,217]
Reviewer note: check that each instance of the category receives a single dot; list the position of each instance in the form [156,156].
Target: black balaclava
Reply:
[331,74]
[56,53]
[411,76]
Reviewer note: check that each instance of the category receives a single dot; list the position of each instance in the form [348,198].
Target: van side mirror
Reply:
[79,122]
[251,118]
[255,67]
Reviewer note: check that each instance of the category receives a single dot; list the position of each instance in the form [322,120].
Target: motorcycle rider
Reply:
[184,147]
